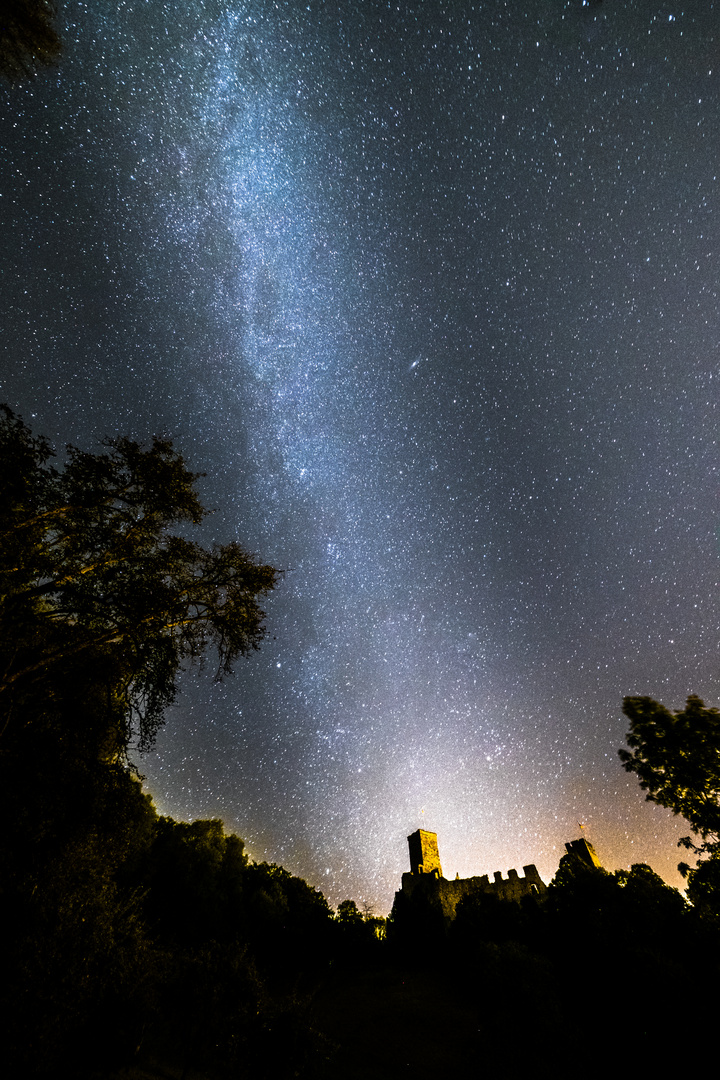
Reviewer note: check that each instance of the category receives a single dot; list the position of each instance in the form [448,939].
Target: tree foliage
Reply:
[194,874]
[703,889]
[676,757]
[96,581]
[348,913]
[28,37]
[121,931]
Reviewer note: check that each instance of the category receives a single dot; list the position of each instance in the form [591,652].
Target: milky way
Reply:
[429,292]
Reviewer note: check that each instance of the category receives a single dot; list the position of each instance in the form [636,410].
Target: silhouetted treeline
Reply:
[601,957]
[132,941]
[136,946]
[127,937]
[132,937]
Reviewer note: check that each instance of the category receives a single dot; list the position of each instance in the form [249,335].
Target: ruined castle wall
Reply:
[448,894]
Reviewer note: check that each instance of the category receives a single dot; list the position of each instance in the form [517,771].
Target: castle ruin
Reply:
[584,850]
[426,882]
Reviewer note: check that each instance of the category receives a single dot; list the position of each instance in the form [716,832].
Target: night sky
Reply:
[429,291]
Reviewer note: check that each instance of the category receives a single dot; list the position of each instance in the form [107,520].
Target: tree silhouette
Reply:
[676,757]
[95,582]
[28,38]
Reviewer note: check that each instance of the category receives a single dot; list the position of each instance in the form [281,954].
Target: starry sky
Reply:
[429,292]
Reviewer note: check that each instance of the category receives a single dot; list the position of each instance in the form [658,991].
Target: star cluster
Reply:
[429,292]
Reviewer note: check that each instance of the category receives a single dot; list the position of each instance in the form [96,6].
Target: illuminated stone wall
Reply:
[424,854]
[425,887]
[585,851]
[448,894]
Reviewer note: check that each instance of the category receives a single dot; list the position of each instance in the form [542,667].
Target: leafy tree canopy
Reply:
[347,912]
[95,580]
[28,37]
[676,757]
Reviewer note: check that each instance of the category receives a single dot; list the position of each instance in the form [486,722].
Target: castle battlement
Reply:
[425,879]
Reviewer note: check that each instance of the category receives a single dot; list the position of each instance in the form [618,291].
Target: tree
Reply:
[28,37]
[348,913]
[98,589]
[101,602]
[195,877]
[703,889]
[676,757]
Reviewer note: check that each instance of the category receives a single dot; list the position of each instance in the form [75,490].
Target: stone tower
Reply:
[424,854]
[585,851]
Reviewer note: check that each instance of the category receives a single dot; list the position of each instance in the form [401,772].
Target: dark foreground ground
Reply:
[510,1010]
[385,1024]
